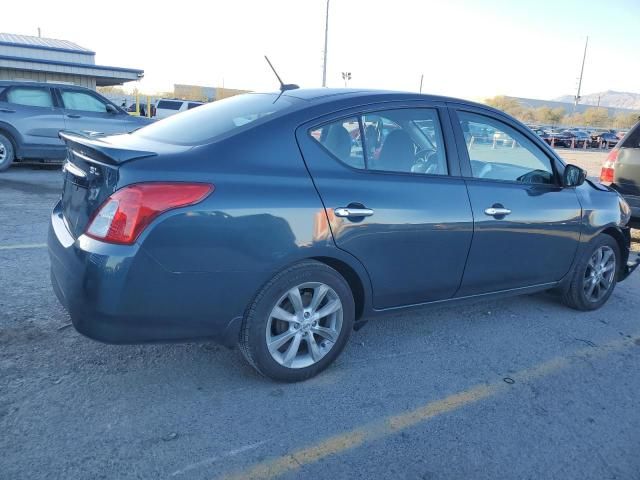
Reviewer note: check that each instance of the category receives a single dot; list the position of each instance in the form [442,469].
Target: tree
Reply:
[596,117]
[626,120]
[111,90]
[506,104]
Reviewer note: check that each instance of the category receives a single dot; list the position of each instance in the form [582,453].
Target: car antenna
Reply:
[283,86]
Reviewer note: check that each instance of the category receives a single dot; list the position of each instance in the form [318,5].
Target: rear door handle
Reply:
[497,212]
[352,212]
[73,115]
[7,110]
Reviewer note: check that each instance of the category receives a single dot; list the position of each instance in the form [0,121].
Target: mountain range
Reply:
[609,98]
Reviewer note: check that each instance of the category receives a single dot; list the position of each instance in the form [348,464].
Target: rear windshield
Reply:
[207,122]
[633,138]
[169,105]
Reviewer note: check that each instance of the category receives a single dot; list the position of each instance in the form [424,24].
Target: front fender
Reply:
[603,212]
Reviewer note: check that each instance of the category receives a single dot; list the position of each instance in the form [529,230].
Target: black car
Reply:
[555,138]
[577,138]
[281,222]
[621,171]
[604,139]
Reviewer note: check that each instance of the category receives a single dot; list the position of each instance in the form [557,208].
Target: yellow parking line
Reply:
[23,246]
[391,425]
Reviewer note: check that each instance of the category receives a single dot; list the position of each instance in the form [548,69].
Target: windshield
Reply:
[208,122]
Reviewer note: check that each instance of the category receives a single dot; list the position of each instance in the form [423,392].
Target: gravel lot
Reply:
[517,388]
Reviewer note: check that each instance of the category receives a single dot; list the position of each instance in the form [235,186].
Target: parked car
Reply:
[621,171]
[577,138]
[602,137]
[167,107]
[281,235]
[606,139]
[501,138]
[32,114]
[621,134]
[556,138]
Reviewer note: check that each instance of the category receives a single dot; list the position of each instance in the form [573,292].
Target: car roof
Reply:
[340,98]
[325,95]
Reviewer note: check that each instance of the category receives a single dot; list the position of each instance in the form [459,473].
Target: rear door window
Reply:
[30,96]
[407,140]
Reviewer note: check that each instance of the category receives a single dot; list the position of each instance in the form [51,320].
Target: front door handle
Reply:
[497,211]
[73,115]
[7,110]
[352,212]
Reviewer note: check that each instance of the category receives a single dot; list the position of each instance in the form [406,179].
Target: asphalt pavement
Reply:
[522,388]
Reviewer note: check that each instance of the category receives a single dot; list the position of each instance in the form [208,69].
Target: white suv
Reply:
[166,107]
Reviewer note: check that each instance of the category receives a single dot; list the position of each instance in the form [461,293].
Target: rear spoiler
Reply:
[96,148]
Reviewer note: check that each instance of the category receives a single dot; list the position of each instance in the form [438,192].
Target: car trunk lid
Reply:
[91,172]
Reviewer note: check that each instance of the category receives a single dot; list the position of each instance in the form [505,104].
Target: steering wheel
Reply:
[486,168]
[426,161]
[533,177]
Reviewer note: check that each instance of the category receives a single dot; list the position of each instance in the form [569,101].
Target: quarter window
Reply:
[499,152]
[342,139]
[82,101]
[33,97]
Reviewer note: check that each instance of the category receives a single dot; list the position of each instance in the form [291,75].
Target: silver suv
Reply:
[32,114]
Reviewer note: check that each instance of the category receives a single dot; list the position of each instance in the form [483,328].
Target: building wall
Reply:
[31,76]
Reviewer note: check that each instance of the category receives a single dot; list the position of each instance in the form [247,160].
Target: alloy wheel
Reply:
[3,152]
[304,325]
[600,274]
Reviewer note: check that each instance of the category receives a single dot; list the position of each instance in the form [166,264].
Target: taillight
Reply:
[609,167]
[126,213]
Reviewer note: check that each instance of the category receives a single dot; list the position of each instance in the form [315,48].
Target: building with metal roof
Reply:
[23,57]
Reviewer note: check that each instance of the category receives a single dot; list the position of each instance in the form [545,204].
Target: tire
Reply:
[577,295]
[7,152]
[311,280]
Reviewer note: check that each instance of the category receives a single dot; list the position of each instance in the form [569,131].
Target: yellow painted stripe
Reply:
[23,246]
[391,425]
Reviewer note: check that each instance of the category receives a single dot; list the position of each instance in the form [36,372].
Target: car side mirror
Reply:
[111,109]
[573,176]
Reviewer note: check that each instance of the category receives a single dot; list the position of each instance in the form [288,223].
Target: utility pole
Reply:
[584,57]
[421,79]
[326,41]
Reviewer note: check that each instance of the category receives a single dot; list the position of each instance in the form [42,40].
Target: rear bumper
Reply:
[120,294]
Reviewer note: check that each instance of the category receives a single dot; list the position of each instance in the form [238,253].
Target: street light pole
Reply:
[326,39]
[584,57]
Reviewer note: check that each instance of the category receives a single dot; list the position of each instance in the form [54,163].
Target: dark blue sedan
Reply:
[281,222]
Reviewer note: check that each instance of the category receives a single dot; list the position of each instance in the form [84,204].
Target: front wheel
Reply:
[594,277]
[298,323]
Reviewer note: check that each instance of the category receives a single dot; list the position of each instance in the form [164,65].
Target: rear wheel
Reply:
[7,152]
[594,278]
[299,322]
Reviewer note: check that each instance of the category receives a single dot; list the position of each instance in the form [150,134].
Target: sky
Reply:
[464,48]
